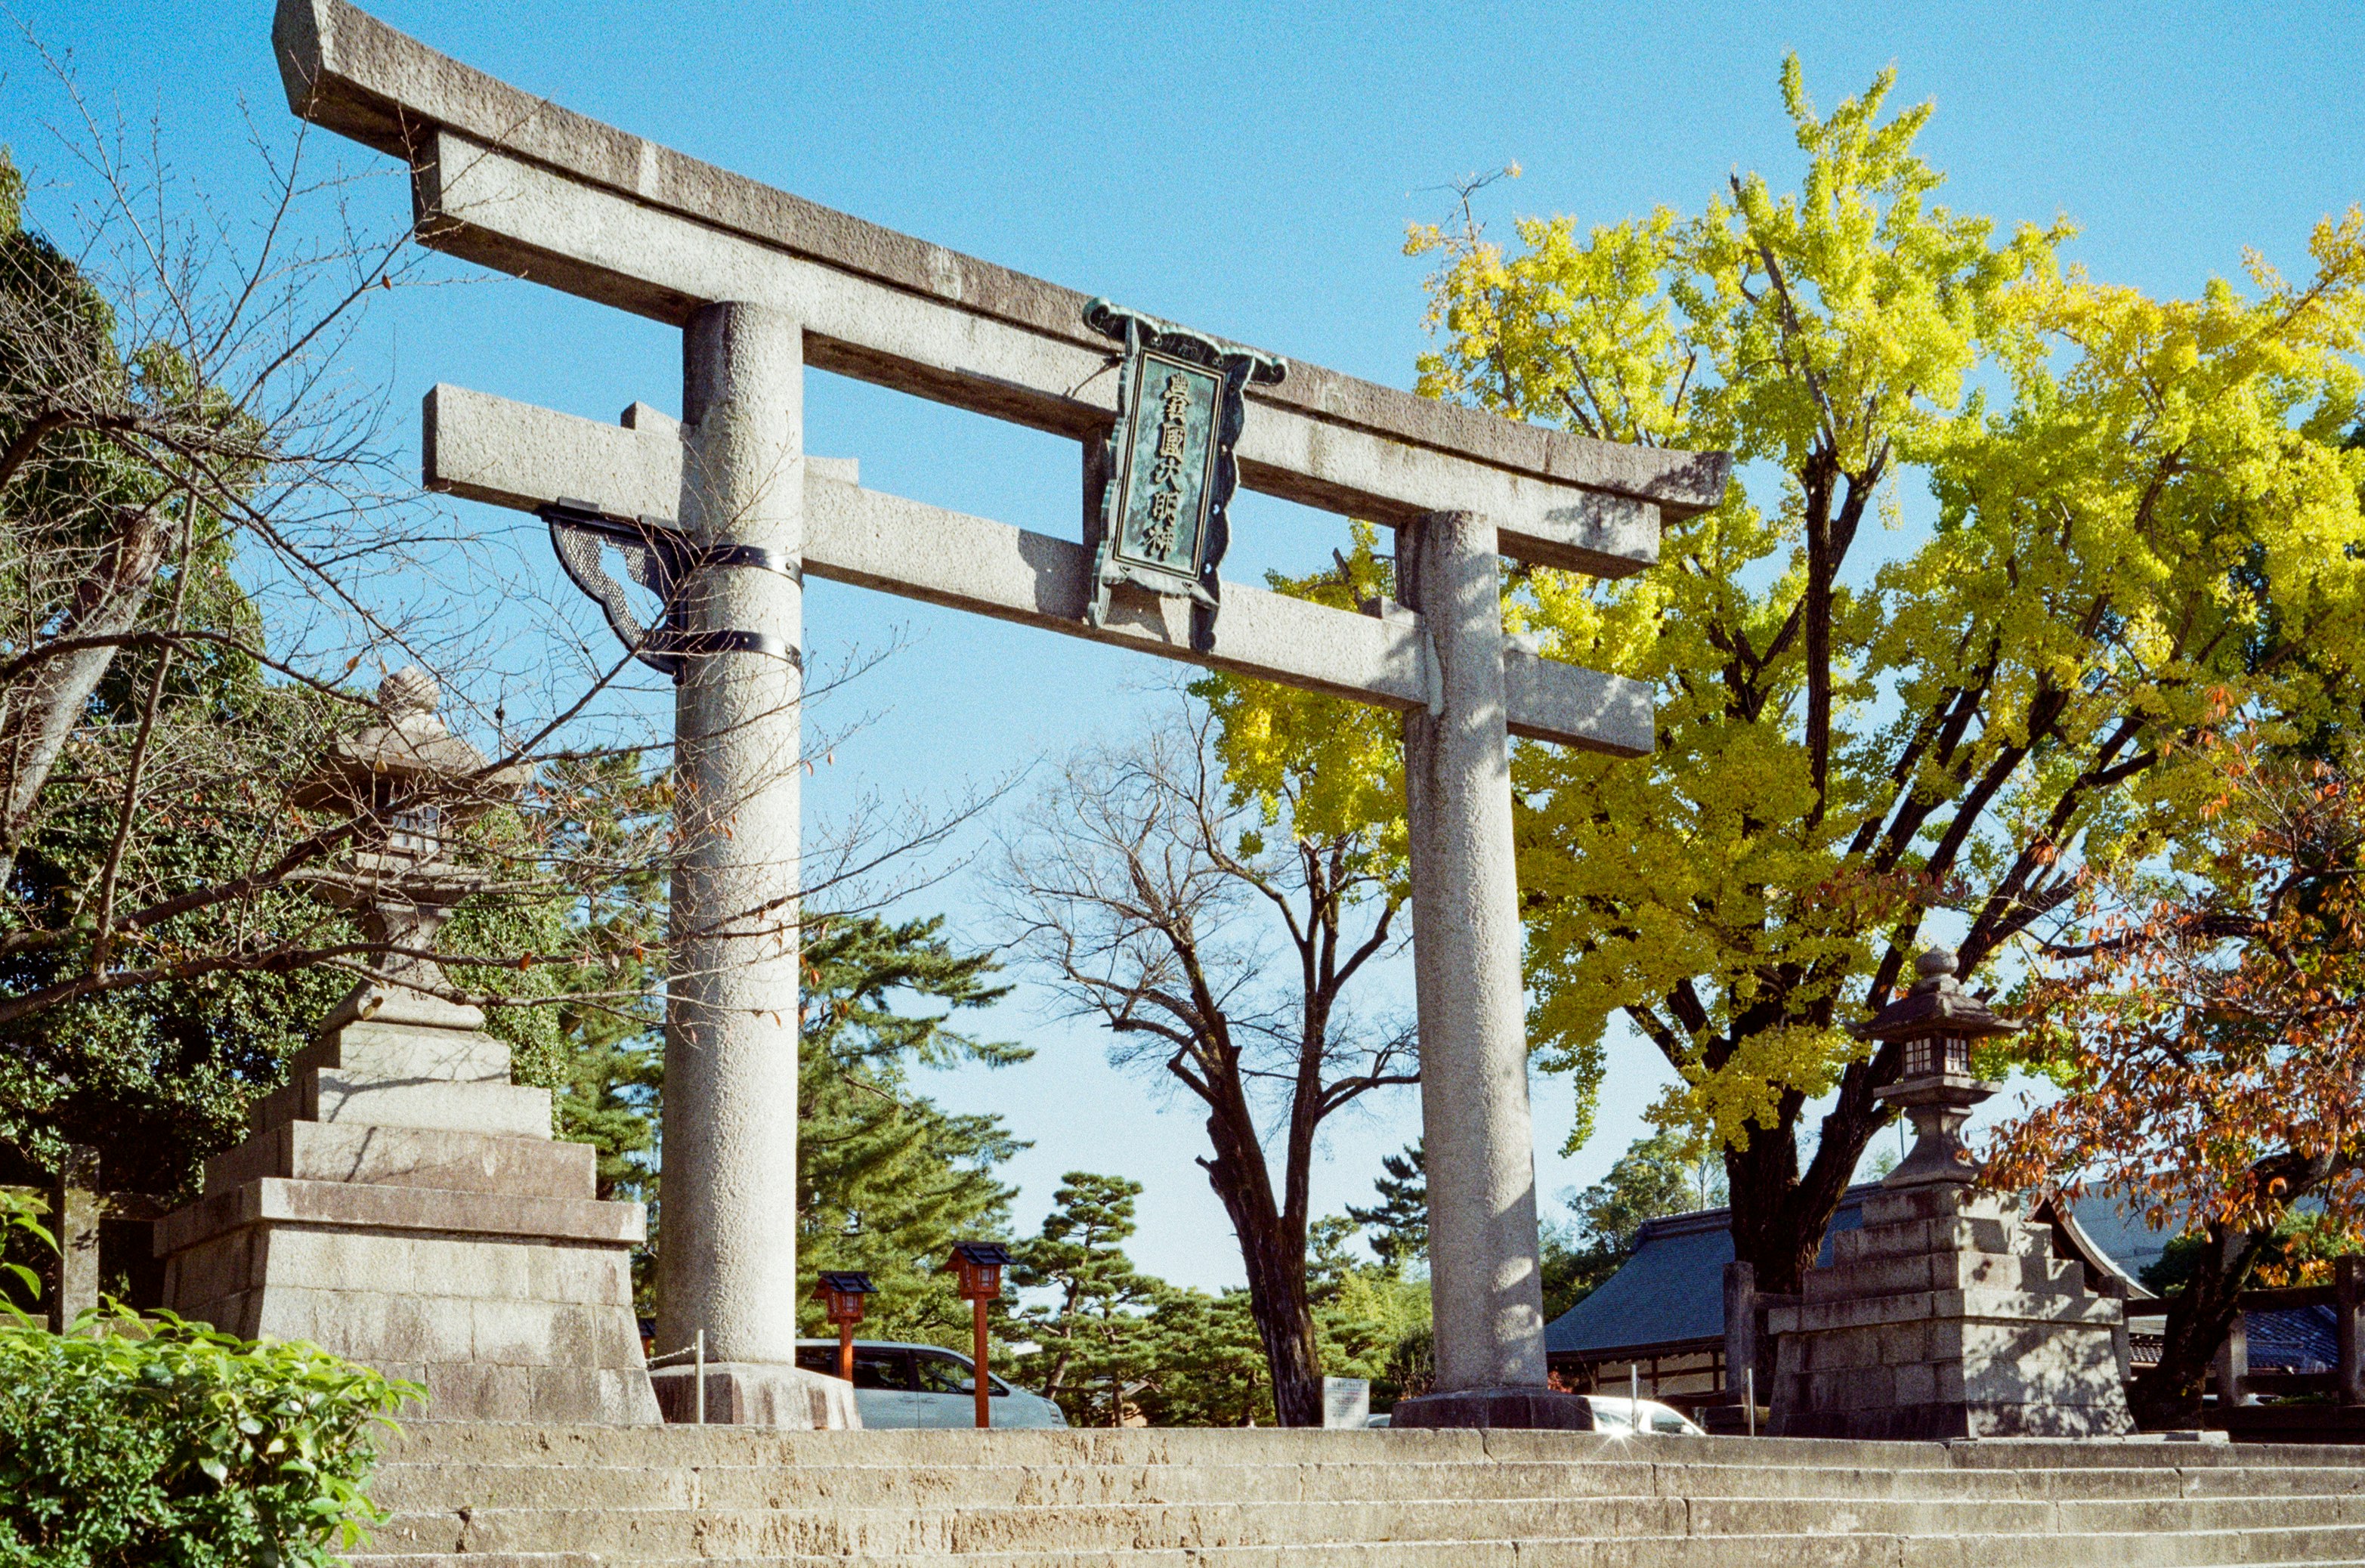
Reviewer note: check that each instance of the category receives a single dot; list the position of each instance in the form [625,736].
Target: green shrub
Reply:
[136,1442]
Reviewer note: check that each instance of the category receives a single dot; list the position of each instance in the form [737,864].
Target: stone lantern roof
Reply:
[408,751]
[1937,1004]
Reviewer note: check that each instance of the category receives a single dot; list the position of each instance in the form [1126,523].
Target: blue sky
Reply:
[1248,169]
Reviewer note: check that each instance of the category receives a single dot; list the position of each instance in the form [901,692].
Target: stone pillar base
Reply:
[1541,1408]
[757,1394]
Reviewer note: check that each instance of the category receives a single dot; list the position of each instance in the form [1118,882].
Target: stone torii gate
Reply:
[763,285]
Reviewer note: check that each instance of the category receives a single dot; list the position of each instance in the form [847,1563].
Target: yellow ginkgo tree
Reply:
[2145,516]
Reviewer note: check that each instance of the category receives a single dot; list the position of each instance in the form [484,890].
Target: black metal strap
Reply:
[756,555]
[701,644]
[658,556]
[681,554]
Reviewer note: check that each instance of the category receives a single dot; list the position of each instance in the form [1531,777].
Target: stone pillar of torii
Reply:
[763,284]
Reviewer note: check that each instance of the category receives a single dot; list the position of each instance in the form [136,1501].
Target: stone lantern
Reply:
[1945,1314]
[1934,1024]
[415,784]
[401,1201]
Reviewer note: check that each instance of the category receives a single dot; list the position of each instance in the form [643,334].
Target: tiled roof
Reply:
[1672,1288]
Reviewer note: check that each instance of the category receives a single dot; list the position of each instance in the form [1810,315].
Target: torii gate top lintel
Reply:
[517,184]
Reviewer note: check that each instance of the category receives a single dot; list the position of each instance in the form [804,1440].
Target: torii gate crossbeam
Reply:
[763,284]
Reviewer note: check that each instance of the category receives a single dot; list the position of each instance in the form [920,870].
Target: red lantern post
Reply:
[841,1294]
[979,1266]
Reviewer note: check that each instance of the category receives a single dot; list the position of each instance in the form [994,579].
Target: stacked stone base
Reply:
[402,1204]
[1947,1316]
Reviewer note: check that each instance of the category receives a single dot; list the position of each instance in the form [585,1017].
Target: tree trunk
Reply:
[1275,1262]
[43,710]
[1763,1180]
[2198,1318]
[1285,1324]
[1779,1214]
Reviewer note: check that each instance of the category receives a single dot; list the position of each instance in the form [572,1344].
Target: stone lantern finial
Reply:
[408,691]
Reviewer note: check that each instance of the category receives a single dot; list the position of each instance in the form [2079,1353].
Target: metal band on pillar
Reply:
[660,557]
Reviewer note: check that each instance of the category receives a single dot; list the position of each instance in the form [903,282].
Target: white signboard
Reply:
[1346,1401]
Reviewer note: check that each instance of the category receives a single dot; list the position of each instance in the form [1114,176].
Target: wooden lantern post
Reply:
[979,1265]
[841,1294]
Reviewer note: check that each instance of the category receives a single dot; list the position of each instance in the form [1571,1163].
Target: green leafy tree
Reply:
[2145,516]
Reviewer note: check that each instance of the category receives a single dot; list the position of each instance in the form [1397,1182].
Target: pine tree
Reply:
[1096,1339]
[1400,1219]
[888,1180]
[1207,1363]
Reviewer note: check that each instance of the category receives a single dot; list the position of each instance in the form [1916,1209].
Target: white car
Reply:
[924,1385]
[1618,1415]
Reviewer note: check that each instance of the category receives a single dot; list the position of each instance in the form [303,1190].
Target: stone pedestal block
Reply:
[1946,1316]
[757,1394]
[1508,1406]
[402,1204]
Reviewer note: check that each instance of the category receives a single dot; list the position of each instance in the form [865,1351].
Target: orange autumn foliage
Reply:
[2209,1035]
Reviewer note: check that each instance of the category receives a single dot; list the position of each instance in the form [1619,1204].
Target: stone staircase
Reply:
[487,1496]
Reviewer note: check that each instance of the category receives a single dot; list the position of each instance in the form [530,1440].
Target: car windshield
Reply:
[942,1374]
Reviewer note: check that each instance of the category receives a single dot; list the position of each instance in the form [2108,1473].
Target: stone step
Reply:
[344,1094]
[2113,1517]
[407,1485]
[519,1443]
[629,1533]
[496,1496]
[531,1166]
[643,1531]
[2286,1548]
[1717,1463]
[415,1487]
